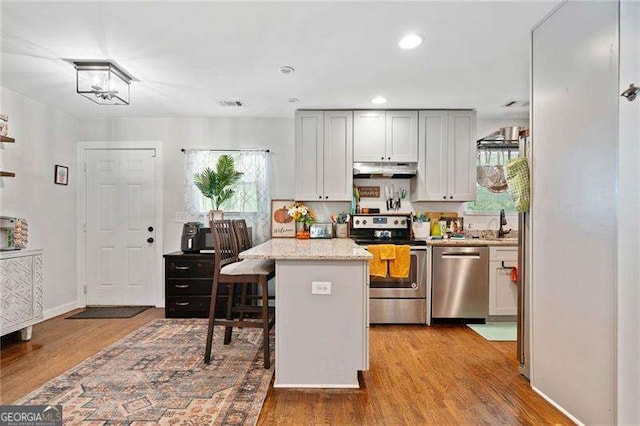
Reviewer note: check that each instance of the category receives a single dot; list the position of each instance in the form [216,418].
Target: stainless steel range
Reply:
[394,300]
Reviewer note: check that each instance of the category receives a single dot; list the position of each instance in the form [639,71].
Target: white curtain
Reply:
[251,199]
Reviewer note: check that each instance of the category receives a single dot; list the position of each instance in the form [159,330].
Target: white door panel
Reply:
[402,136]
[369,136]
[120,207]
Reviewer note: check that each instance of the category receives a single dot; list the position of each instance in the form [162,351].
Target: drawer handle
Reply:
[182,268]
[505,266]
[182,286]
[182,303]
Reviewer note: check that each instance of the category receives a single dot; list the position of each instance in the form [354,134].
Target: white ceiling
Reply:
[188,55]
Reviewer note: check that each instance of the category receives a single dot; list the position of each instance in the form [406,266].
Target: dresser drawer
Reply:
[189,268]
[187,307]
[186,287]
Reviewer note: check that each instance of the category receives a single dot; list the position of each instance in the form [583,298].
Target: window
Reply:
[250,200]
[486,200]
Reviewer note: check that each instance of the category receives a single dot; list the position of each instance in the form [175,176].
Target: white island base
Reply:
[321,339]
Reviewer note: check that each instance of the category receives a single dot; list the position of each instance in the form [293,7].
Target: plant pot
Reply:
[302,231]
[342,230]
[421,230]
[216,215]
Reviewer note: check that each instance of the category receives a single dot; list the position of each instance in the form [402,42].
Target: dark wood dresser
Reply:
[187,285]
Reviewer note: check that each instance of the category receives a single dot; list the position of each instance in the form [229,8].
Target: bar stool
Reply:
[229,271]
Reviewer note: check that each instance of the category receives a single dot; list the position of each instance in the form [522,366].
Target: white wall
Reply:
[275,134]
[574,226]
[44,137]
[628,207]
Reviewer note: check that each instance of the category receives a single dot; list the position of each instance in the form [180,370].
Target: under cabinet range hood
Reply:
[385,170]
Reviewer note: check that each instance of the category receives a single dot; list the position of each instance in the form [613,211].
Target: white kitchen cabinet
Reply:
[324,155]
[385,136]
[503,293]
[369,136]
[461,147]
[446,156]
[20,291]
[401,142]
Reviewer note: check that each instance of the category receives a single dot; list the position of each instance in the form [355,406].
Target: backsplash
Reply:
[478,222]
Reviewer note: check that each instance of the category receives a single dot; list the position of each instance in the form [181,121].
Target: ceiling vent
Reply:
[232,104]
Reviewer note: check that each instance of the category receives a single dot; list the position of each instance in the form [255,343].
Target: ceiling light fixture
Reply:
[286,70]
[102,82]
[410,41]
[379,100]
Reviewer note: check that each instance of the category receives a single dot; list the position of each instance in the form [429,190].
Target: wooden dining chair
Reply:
[229,271]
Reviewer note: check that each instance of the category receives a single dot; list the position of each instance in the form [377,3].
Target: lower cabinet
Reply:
[20,291]
[503,292]
[187,286]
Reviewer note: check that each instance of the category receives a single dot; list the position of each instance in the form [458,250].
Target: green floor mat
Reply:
[497,332]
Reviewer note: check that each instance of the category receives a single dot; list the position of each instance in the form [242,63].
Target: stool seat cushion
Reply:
[249,267]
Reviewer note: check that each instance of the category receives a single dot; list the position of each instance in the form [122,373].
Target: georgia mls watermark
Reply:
[30,415]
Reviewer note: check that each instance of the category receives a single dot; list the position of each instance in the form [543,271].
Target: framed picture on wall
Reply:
[61,175]
[282,225]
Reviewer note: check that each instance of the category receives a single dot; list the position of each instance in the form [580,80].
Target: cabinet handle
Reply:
[182,268]
[451,197]
[326,197]
[319,197]
[182,286]
[382,158]
[445,197]
[182,303]
[506,267]
[388,158]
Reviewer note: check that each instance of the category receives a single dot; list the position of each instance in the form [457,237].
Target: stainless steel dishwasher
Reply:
[460,282]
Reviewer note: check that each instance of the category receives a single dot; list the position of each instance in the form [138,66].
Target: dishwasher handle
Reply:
[455,255]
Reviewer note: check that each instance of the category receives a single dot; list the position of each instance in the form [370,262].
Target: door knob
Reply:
[150,229]
[150,240]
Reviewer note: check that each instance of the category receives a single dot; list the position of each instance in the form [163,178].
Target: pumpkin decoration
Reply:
[282,215]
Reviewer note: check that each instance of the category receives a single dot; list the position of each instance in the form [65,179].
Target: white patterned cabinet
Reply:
[20,291]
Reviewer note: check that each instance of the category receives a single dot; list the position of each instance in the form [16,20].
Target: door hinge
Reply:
[84,228]
[84,289]
[153,153]
[84,166]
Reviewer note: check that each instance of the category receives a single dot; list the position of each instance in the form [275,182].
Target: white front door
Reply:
[120,226]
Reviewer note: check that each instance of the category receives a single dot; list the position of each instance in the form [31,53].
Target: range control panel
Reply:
[380,222]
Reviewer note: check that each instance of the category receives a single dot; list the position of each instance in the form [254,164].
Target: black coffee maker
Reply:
[195,237]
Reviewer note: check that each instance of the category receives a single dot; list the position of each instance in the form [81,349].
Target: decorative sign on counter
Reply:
[369,191]
[282,225]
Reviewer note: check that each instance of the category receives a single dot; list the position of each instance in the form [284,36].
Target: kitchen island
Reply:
[322,309]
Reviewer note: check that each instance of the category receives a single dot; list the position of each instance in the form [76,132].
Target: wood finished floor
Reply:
[418,375]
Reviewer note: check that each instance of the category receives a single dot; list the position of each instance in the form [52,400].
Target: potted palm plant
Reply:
[217,185]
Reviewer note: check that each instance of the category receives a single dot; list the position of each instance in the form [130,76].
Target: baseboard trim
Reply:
[555,404]
[316,386]
[59,310]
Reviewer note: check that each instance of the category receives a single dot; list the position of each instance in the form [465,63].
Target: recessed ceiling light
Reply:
[379,100]
[286,70]
[410,41]
[293,100]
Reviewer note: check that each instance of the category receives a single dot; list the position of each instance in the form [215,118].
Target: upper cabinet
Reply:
[385,136]
[324,155]
[447,155]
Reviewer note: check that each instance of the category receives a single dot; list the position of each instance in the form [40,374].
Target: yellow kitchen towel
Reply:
[400,266]
[377,266]
[387,251]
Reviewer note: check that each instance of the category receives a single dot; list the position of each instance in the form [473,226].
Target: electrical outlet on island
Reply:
[321,287]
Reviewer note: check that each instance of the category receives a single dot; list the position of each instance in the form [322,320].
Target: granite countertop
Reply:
[294,249]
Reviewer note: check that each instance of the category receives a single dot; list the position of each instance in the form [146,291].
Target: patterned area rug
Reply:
[156,375]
